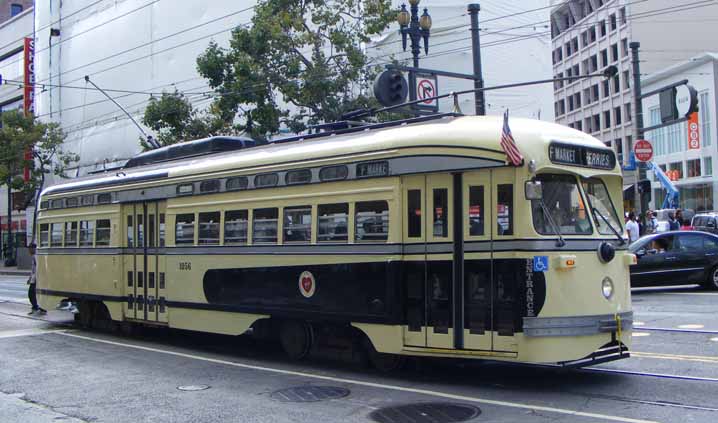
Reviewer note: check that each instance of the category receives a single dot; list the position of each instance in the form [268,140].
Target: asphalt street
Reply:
[51,371]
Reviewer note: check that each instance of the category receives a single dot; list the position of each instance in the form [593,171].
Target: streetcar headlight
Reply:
[607,287]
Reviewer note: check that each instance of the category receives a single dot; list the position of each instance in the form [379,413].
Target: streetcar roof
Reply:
[478,136]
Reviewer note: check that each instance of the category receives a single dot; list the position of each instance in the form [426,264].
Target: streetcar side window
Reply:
[87,229]
[209,228]
[332,222]
[44,235]
[151,230]
[102,233]
[505,209]
[70,234]
[264,225]
[476,210]
[414,209]
[441,212]
[162,229]
[130,232]
[235,227]
[298,224]
[184,229]
[56,235]
[372,221]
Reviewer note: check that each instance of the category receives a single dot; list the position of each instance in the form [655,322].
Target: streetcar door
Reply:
[505,268]
[414,237]
[477,217]
[146,262]
[439,261]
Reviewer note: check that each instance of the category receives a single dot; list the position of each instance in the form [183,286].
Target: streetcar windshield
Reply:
[602,206]
[564,204]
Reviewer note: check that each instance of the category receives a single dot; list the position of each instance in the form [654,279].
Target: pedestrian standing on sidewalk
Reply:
[632,227]
[36,309]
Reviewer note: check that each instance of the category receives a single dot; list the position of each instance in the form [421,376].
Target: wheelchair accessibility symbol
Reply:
[540,263]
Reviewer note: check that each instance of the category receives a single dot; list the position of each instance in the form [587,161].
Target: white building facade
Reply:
[590,35]
[693,166]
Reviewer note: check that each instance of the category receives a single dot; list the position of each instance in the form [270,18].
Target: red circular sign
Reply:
[643,150]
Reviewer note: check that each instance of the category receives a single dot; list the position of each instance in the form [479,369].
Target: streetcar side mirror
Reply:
[533,190]
[641,252]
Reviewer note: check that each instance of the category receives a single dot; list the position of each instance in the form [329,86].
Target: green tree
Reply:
[20,135]
[300,62]
[173,119]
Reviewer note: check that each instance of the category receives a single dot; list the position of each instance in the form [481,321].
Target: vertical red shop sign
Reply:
[29,91]
[694,139]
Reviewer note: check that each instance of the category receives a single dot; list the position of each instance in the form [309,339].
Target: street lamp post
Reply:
[416,28]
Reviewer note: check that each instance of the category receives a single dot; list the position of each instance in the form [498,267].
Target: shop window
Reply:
[209,228]
[235,227]
[693,168]
[184,229]
[332,222]
[414,213]
[505,209]
[70,234]
[102,232]
[264,225]
[298,224]
[476,211]
[56,235]
[87,229]
[372,221]
[238,183]
[441,212]
[708,166]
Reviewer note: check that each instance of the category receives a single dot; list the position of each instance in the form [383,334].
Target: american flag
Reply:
[508,143]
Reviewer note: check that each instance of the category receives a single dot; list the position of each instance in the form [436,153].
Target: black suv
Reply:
[706,222]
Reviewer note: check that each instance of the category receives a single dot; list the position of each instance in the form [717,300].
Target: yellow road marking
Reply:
[679,357]
[372,384]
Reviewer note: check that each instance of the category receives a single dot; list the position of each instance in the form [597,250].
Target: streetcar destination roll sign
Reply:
[578,155]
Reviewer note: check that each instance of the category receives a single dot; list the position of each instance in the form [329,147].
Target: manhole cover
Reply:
[431,412]
[309,393]
[193,387]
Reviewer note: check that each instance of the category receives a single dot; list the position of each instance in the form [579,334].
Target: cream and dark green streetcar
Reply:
[416,239]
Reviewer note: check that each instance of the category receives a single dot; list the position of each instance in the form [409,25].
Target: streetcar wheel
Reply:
[712,280]
[86,314]
[385,363]
[296,338]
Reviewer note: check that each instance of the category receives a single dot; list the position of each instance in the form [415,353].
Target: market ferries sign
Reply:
[578,155]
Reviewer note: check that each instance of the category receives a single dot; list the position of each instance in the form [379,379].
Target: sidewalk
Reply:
[13,271]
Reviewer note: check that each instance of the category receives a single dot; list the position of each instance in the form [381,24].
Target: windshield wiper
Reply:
[615,232]
[559,242]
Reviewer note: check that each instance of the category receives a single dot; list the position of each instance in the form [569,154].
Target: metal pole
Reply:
[479,98]
[9,260]
[638,119]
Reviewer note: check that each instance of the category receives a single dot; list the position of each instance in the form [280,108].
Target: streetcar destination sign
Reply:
[577,155]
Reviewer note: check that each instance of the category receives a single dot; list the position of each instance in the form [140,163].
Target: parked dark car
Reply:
[706,222]
[676,258]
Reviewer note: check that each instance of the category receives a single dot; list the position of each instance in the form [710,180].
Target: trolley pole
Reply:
[479,98]
[637,121]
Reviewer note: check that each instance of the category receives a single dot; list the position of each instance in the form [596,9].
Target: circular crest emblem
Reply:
[307,284]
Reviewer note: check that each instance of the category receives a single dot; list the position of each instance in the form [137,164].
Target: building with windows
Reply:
[16,23]
[692,166]
[589,35]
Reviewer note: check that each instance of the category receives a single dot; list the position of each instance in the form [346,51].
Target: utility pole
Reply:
[479,99]
[637,121]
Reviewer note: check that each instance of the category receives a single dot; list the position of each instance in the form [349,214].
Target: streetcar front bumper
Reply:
[578,325]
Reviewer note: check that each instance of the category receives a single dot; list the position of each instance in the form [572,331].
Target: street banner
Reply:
[694,138]
[28,91]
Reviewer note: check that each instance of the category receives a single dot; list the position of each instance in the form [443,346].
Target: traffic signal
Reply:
[391,88]
[644,186]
